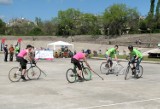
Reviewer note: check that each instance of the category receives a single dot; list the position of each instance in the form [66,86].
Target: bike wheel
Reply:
[71,75]
[122,72]
[117,68]
[14,74]
[104,68]
[87,75]
[33,73]
[140,72]
[128,73]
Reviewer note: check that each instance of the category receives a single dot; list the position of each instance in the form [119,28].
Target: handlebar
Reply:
[129,59]
[81,61]
[33,62]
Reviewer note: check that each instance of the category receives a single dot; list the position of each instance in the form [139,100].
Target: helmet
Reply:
[116,46]
[130,47]
[29,46]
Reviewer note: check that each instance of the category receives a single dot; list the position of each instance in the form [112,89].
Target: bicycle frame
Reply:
[134,72]
[35,65]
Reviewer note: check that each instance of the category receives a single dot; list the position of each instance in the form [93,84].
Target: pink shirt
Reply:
[79,56]
[22,53]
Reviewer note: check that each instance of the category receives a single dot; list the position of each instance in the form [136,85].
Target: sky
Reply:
[48,9]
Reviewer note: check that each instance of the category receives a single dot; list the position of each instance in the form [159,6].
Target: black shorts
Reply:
[23,62]
[76,63]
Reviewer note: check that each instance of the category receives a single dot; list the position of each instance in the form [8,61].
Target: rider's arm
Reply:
[85,60]
[109,54]
[116,57]
[28,57]
[137,56]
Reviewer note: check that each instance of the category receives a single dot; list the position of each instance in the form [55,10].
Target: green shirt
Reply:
[17,49]
[135,52]
[111,52]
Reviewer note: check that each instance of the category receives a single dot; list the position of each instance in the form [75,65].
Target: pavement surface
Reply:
[54,92]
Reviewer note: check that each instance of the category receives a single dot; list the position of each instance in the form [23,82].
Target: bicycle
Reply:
[116,68]
[72,75]
[134,73]
[33,72]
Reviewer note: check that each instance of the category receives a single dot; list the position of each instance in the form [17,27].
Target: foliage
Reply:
[36,31]
[2,27]
[119,17]
[116,20]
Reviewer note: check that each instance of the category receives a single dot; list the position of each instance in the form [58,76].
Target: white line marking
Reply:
[131,102]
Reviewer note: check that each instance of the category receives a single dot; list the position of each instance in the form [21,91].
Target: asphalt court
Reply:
[54,92]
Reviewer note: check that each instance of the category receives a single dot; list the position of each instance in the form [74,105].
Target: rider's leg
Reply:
[111,63]
[133,62]
[138,63]
[23,63]
[80,73]
[77,64]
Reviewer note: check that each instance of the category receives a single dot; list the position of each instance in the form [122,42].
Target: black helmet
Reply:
[130,47]
[116,46]
[29,46]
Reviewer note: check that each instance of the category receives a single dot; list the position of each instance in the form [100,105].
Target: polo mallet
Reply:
[97,74]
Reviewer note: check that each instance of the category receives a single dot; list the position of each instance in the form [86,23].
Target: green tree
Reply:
[89,24]
[67,22]
[19,27]
[150,18]
[157,16]
[151,12]
[48,28]
[36,31]
[117,18]
[38,22]
[2,27]
[157,10]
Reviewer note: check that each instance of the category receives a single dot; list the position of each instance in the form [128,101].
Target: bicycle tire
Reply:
[103,68]
[71,75]
[117,68]
[14,74]
[33,73]
[128,74]
[122,72]
[141,72]
[87,75]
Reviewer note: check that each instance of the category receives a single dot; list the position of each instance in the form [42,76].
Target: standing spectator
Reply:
[136,42]
[11,52]
[88,51]
[5,49]
[82,50]
[70,54]
[75,52]
[100,51]
[17,50]
[139,41]
[56,55]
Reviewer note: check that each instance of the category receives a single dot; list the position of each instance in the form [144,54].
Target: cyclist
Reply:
[75,60]
[110,53]
[135,55]
[22,58]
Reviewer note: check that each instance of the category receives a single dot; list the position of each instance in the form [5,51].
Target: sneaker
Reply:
[133,70]
[137,72]
[80,78]
[22,76]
